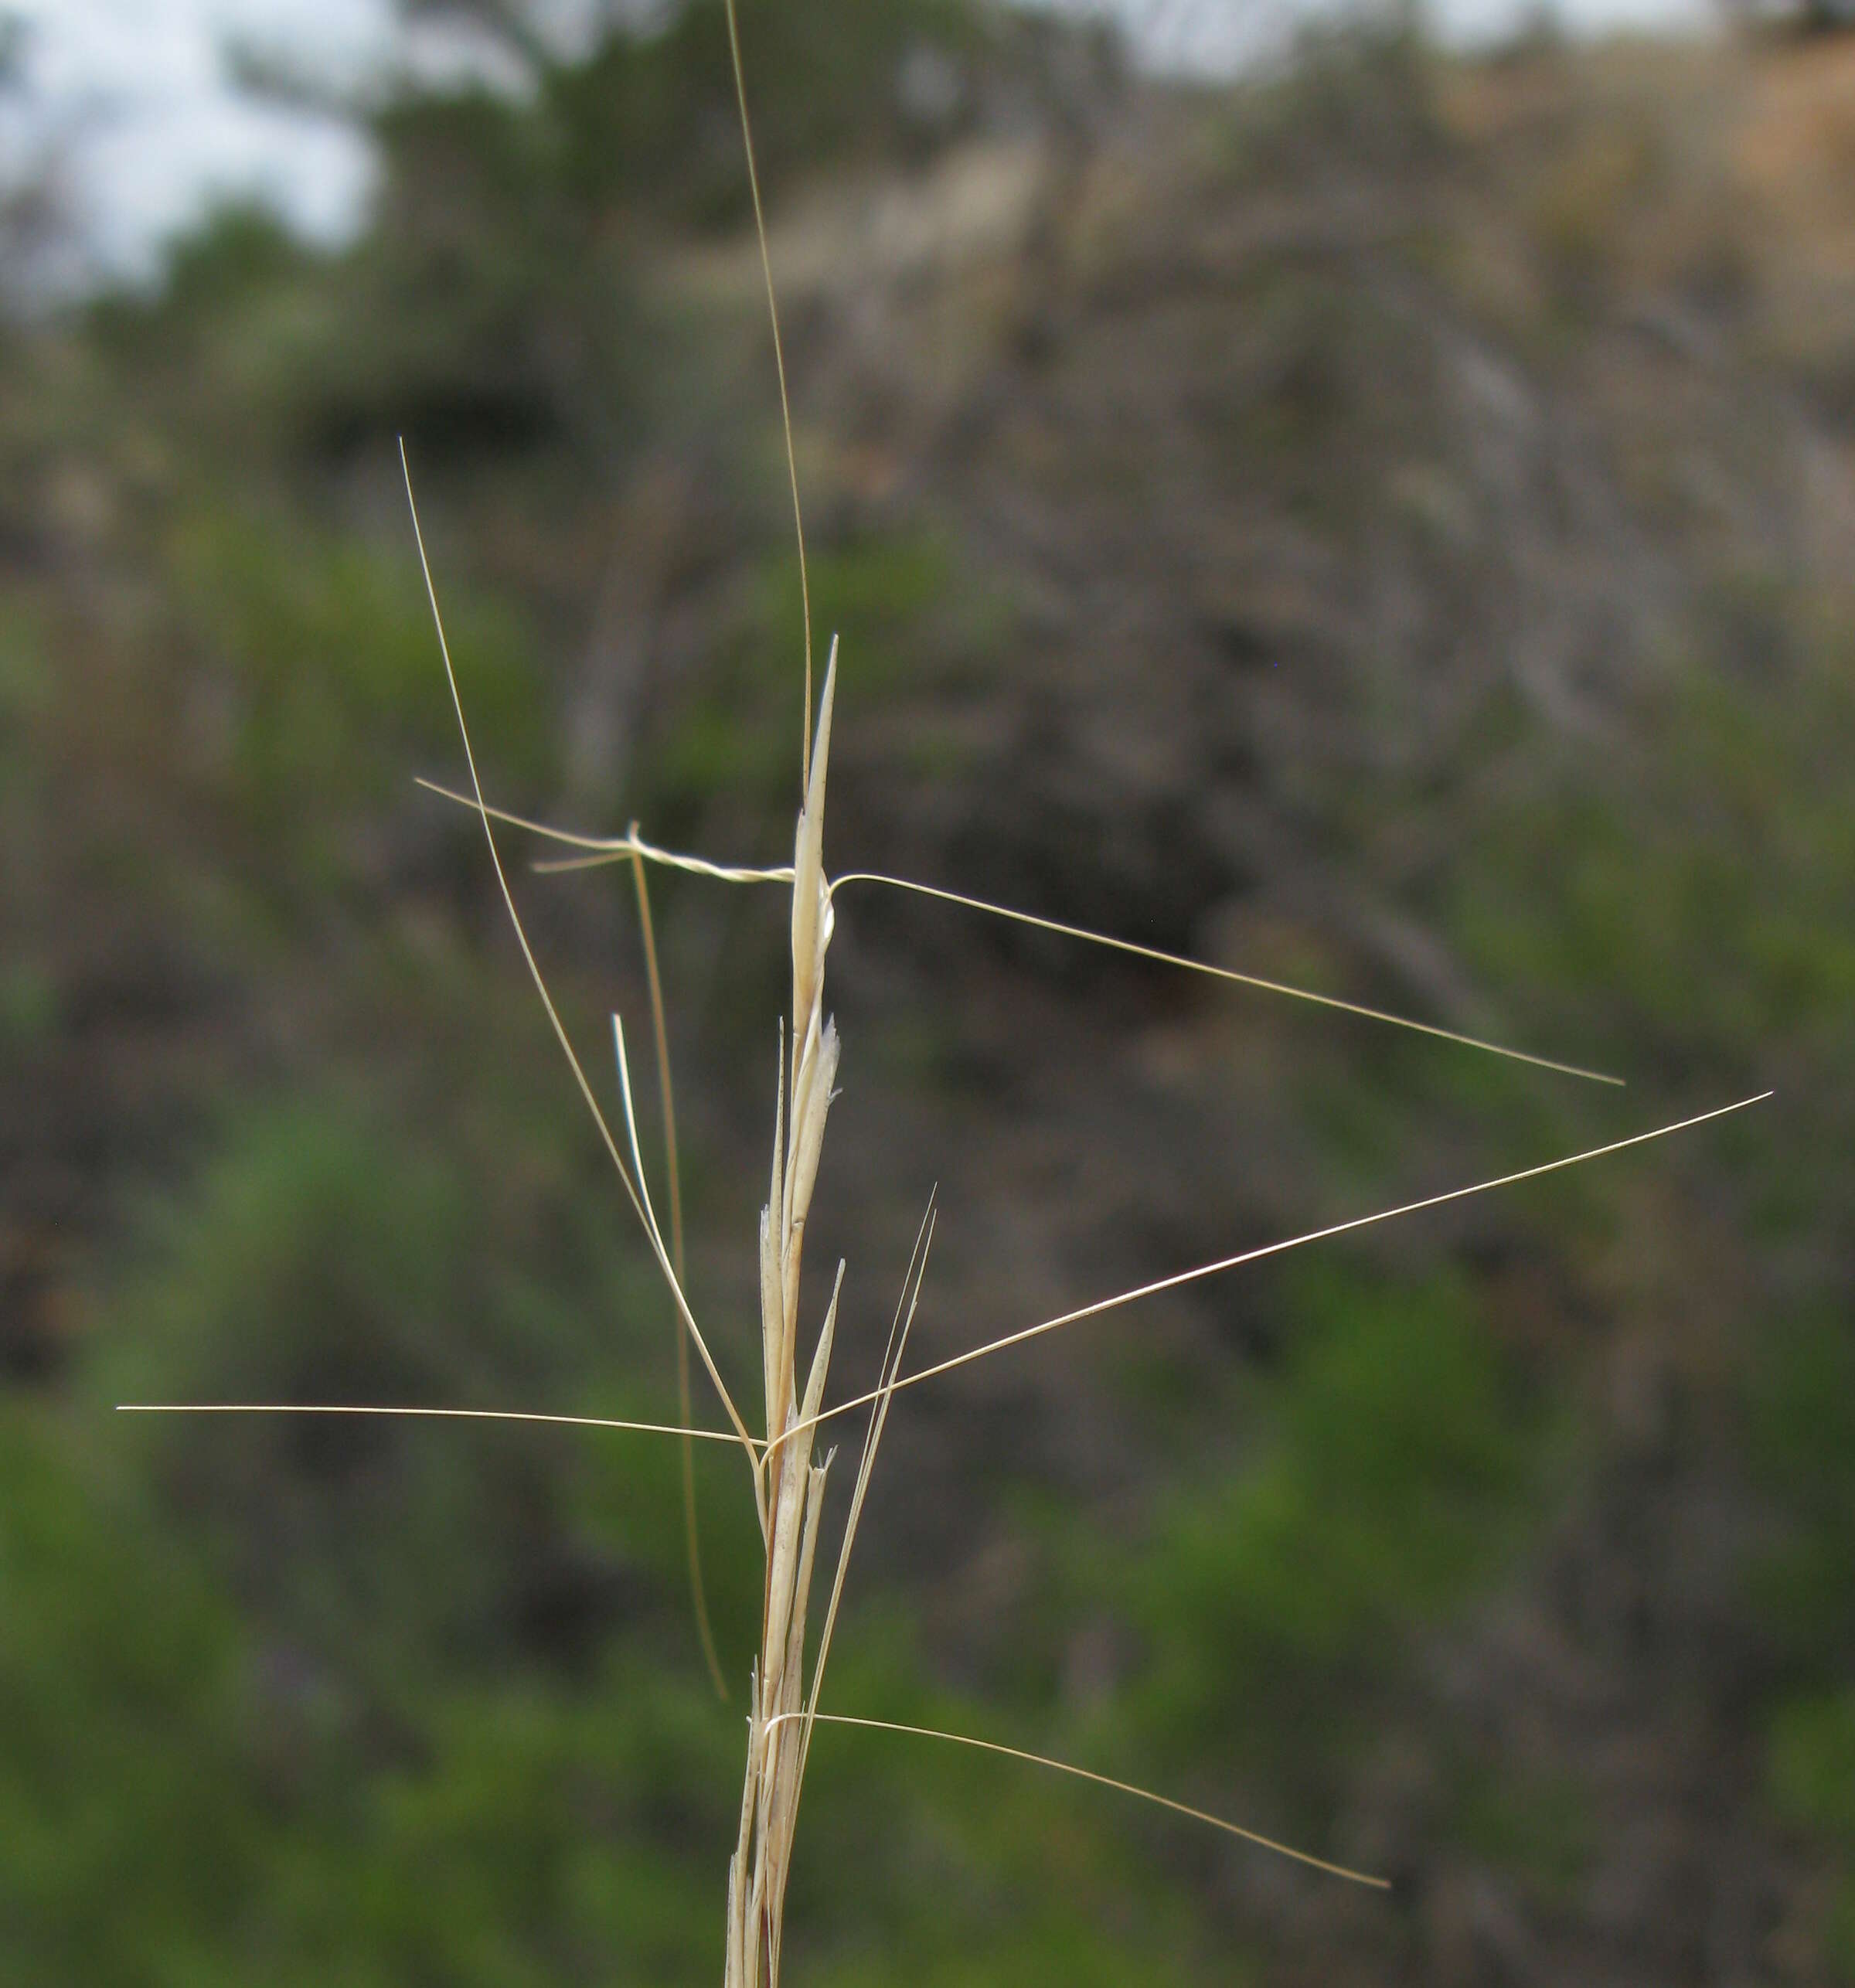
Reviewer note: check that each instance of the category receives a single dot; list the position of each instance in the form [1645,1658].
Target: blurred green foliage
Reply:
[327,679]
[900,603]
[132,1837]
[1544,1826]
[654,118]
[1392,1470]
[1804,1437]
[1814,1783]
[1700,897]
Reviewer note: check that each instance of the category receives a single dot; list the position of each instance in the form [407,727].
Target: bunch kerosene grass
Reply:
[788,1474]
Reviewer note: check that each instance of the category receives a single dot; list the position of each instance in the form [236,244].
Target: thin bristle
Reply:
[779,363]
[672,1167]
[631,1133]
[611,849]
[540,982]
[606,850]
[1199,1272]
[1185,964]
[1100,1781]
[437,1414]
[893,1355]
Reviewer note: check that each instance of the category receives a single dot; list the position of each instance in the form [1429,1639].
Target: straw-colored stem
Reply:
[792,1487]
[666,1099]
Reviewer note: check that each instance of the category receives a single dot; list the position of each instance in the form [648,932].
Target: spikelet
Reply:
[796,1485]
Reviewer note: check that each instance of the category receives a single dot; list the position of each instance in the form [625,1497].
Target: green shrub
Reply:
[325,661]
[1393,1469]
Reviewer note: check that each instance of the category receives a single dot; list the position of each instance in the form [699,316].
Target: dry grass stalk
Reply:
[788,1485]
[780,1726]
[795,1485]
[666,1099]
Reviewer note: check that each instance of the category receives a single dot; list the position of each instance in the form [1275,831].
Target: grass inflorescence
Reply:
[787,1466]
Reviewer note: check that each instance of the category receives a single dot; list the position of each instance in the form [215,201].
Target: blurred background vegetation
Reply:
[1387,525]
